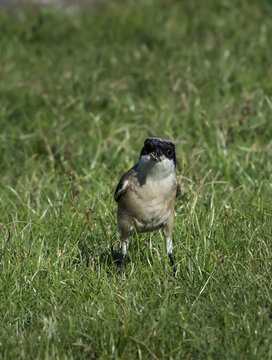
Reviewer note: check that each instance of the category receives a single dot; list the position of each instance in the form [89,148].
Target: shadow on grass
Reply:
[108,260]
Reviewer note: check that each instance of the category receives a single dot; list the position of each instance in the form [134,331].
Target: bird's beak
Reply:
[156,155]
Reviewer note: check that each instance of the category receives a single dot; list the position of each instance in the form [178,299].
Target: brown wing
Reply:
[124,183]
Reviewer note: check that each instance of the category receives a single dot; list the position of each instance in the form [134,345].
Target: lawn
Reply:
[80,92]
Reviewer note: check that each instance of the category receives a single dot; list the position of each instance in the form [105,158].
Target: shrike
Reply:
[147,192]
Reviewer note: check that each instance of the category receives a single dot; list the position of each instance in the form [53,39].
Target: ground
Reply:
[80,92]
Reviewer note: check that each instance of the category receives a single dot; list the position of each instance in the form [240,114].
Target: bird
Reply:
[146,194]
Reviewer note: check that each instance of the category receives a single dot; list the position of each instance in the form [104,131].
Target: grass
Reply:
[79,94]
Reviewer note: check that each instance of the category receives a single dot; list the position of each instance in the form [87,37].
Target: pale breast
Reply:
[152,204]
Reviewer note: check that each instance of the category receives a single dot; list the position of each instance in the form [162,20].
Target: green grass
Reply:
[79,94]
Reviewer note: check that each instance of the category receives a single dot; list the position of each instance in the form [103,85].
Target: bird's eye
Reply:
[148,148]
[169,152]
[145,150]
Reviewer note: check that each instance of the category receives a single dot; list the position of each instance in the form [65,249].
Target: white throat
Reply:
[155,171]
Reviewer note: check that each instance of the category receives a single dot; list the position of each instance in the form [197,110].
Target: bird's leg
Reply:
[150,242]
[168,229]
[125,244]
[169,250]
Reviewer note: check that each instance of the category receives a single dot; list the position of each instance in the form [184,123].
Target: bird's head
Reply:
[158,153]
